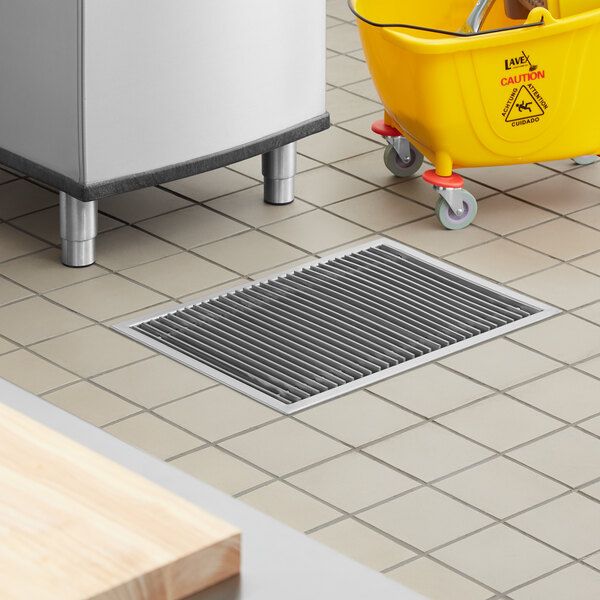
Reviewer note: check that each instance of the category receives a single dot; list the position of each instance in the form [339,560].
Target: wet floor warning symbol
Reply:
[524,106]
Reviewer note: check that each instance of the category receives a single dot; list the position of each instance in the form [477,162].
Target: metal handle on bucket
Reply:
[442,31]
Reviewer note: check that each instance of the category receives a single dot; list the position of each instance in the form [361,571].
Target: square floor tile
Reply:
[507,177]
[593,491]
[334,144]
[570,524]
[92,350]
[565,338]
[283,447]
[154,381]
[43,271]
[358,418]
[152,435]
[278,269]
[430,390]
[352,482]
[36,319]
[589,173]
[502,260]
[591,366]
[561,166]
[500,363]
[6,346]
[564,286]
[501,487]
[32,373]
[343,38]
[435,582]
[252,167]
[592,425]
[594,560]
[576,582]
[370,167]
[362,544]
[326,185]
[15,243]
[500,422]
[91,403]
[379,210]
[192,227]
[221,470]
[216,413]
[106,297]
[9,291]
[316,230]
[5,176]
[589,263]
[590,313]
[589,216]
[425,518]
[343,106]
[570,456]
[250,252]
[342,70]
[501,557]
[141,204]
[44,224]
[362,125]
[288,505]
[428,452]
[127,247]
[180,274]
[560,194]
[560,239]
[210,184]
[429,235]
[249,207]
[568,394]
[503,214]
[21,197]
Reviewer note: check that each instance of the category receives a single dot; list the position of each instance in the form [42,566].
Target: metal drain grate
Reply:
[330,326]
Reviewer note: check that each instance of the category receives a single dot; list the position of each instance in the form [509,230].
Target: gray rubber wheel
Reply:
[588,159]
[451,221]
[396,166]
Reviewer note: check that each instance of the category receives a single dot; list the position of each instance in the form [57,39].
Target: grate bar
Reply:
[430,295]
[436,313]
[188,347]
[366,354]
[328,327]
[261,365]
[310,353]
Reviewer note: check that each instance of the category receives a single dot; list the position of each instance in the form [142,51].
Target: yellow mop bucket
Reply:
[525,88]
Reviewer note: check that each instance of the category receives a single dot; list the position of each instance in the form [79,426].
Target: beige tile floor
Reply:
[474,478]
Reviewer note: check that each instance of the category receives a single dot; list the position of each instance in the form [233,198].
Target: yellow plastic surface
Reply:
[510,97]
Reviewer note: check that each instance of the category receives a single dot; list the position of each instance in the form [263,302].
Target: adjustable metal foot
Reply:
[279,169]
[78,229]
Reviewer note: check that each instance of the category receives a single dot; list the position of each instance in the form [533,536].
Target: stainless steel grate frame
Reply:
[325,328]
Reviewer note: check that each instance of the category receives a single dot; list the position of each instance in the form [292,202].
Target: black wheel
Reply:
[397,166]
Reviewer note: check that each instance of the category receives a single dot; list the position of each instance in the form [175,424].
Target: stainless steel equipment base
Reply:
[78,229]
[279,169]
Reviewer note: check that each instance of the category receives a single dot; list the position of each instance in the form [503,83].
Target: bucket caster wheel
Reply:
[398,166]
[449,219]
[588,159]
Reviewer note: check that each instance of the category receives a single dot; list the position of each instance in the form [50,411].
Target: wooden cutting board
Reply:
[75,526]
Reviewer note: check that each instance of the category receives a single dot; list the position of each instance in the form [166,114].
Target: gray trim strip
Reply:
[100,190]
